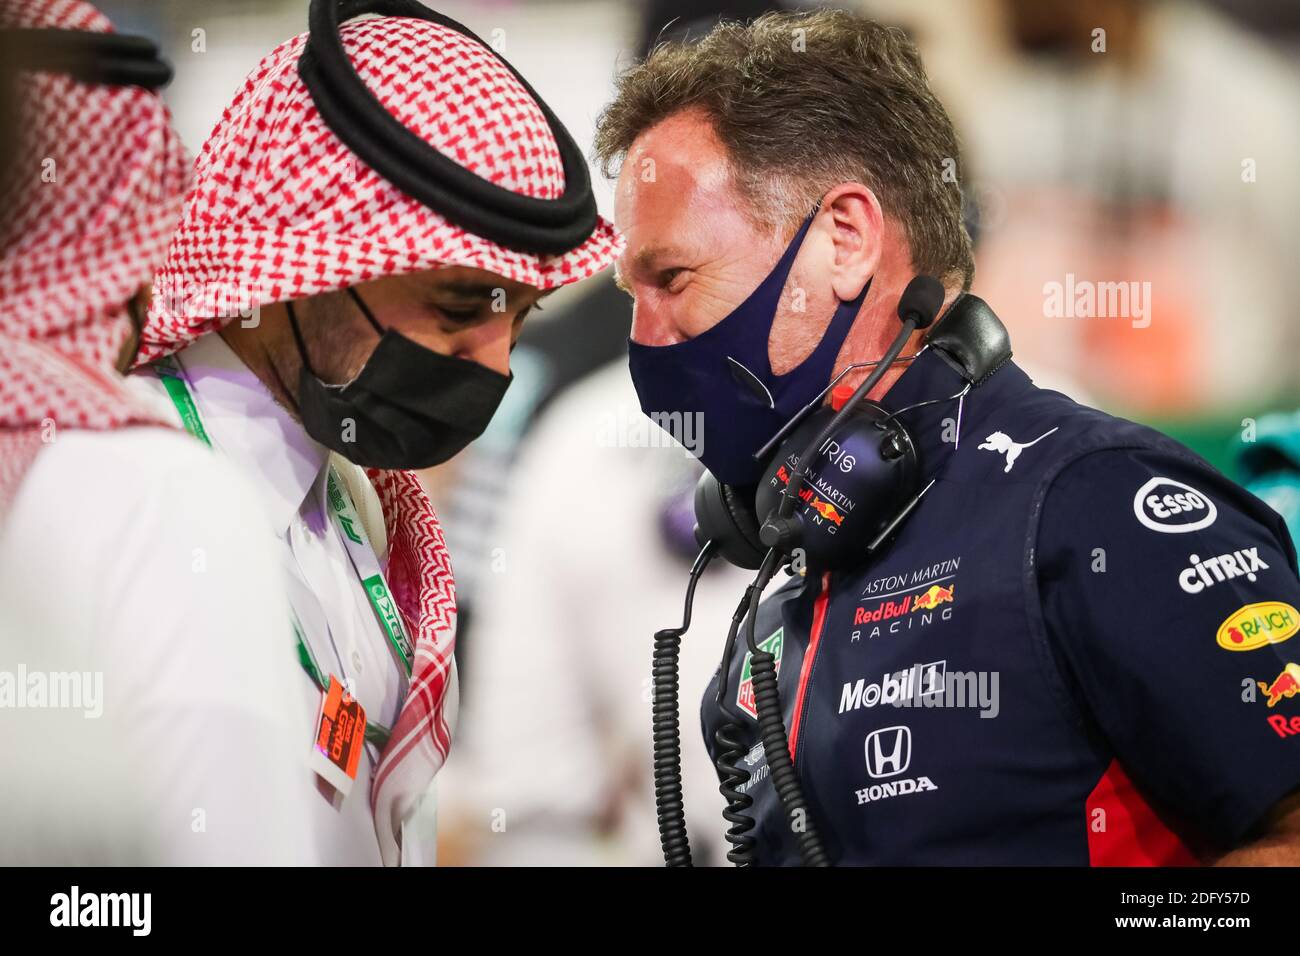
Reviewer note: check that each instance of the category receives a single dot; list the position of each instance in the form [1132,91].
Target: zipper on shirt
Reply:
[809,662]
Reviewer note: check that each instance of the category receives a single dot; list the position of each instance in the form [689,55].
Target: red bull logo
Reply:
[1286,684]
[927,600]
[1257,625]
[827,511]
[882,611]
[1284,726]
[933,597]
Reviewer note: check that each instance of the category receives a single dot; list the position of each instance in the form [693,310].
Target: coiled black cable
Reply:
[731,748]
[771,729]
[729,743]
[669,807]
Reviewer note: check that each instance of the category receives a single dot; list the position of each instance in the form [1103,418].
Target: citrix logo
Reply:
[1224,567]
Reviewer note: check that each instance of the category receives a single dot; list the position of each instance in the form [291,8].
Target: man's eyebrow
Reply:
[486,290]
[647,256]
[468,290]
[645,261]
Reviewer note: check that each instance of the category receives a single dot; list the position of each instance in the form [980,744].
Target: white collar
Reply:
[252,429]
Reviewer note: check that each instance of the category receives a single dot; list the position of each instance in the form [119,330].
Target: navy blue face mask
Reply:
[722,378]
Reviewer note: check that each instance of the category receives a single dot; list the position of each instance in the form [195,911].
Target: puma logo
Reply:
[1001,443]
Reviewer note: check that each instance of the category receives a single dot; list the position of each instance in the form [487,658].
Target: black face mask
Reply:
[408,407]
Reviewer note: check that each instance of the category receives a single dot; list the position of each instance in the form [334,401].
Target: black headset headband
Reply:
[364,124]
[971,338]
[116,59]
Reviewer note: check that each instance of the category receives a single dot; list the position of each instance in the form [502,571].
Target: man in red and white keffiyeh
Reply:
[298,267]
[90,199]
[108,513]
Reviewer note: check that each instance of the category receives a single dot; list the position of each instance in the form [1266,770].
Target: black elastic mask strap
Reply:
[297,335]
[297,332]
[365,310]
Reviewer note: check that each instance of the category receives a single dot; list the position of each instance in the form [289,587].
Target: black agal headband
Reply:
[115,59]
[356,116]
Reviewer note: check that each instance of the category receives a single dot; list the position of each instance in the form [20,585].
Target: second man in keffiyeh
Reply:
[373,218]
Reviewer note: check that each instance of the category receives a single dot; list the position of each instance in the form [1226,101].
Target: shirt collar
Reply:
[252,429]
[933,427]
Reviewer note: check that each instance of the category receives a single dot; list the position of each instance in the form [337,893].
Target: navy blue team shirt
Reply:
[1079,649]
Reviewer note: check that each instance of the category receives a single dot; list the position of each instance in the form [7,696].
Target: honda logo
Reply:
[889,751]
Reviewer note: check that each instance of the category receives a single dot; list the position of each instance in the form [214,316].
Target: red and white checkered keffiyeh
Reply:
[282,210]
[95,191]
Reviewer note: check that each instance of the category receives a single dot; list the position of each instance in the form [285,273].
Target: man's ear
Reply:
[853,215]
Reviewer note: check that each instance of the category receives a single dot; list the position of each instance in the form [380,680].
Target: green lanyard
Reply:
[367,569]
[355,540]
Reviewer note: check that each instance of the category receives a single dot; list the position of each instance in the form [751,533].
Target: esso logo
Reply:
[1172,507]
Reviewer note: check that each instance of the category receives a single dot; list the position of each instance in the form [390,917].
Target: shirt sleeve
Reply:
[1169,596]
[138,560]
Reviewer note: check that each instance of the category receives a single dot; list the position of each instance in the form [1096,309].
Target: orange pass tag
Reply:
[340,737]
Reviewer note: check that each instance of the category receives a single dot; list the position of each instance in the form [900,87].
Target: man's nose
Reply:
[653,327]
[487,344]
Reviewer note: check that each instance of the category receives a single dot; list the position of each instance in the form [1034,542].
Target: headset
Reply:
[839,481]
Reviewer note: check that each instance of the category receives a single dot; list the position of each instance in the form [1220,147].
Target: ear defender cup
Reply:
[858,482]
[726,516]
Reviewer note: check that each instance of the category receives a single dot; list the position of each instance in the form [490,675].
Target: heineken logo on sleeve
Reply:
[745,693]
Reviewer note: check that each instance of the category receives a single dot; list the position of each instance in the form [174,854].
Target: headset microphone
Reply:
[921,301]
